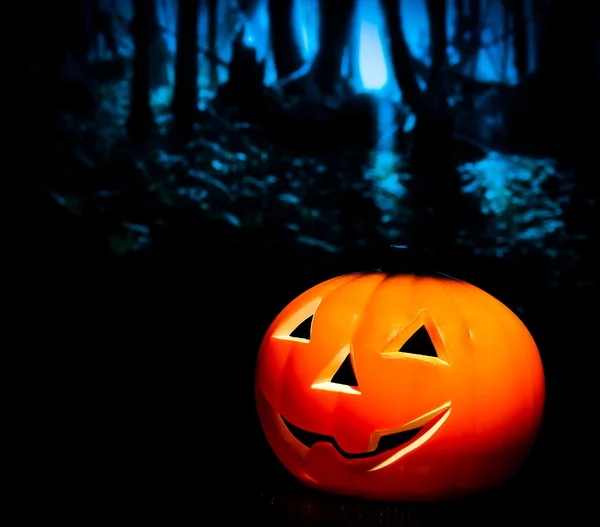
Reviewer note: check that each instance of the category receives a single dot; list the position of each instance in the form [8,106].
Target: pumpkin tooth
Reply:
[415,444]
[425,418]
[417,423]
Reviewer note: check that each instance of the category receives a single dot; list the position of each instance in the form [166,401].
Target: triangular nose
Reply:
[345,374]
[419,344]
[342,379]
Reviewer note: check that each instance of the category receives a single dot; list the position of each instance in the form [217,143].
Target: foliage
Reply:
[525,196]
[233,186]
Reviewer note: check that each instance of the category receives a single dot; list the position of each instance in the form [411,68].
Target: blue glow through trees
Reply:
[367,57]
[257,29]
[372,67]
[306,26]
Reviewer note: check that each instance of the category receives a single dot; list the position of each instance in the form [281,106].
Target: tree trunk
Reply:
[569,107]
[462,12]
[467,40]
[401,58]
[352,50]
[439,41]
[141,119]
[185,96]
[334,32]
[285,49]
[568,86]
[507,29]
[213,14]
[436,185]
[516,9]
[160,58]
[102,21]
[43,48]
[84,37]
[538,9]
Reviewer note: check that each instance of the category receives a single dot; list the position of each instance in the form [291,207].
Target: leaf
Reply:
[213,182]
[314,242]
[83,158]
[134,227]
[232,219]
[219,166]
[254,182]
[166,198]
[71,203]
[121,243]
[287,197]
[291,227]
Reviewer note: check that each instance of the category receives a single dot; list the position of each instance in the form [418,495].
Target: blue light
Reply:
[305,46]
[306,27]
[372,66]
[372,63]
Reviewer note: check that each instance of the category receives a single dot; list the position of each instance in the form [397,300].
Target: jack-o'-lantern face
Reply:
[399,387]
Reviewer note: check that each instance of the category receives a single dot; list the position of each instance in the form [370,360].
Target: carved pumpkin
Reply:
[399,386]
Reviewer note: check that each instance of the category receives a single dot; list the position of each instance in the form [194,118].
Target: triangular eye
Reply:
[345,374]
[419,344]
[303,329]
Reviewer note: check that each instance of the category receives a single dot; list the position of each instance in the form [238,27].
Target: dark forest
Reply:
[194,165]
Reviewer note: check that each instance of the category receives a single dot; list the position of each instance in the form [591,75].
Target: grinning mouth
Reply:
[386,442]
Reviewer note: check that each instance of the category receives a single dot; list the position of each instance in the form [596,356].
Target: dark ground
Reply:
[149,364]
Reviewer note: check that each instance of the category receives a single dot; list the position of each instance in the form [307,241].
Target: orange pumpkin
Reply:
[399,386]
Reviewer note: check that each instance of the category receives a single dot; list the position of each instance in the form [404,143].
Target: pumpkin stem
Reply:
[406,259]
